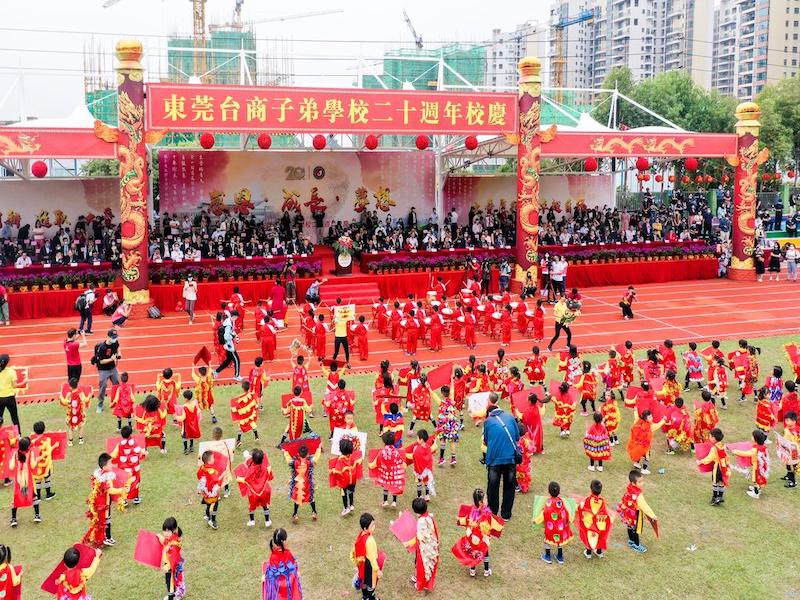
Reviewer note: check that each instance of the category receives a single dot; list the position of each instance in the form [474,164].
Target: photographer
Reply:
[626,304]
[106,355]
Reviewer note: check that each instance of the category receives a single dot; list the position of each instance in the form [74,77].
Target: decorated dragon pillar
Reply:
[747,160]
[528,167]
[132,155]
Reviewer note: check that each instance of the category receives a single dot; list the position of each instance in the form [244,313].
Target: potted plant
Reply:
[343,247]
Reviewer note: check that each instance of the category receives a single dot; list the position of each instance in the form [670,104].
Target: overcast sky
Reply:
[51,60]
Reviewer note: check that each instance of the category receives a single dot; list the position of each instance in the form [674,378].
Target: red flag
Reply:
[657,384]
[148,549]
[21,382]
[744,462]
[654,525]
[293,447]
[219,461]
[440,376]
[203,355]
[570,397]
[241,471]
[633,391]
[58,439]
[86,557]
[700,452]
[621,350]
[519,400]
[285,399]
[404,529]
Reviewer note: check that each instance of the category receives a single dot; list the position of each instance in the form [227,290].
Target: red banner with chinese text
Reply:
[216,108]
[17,142]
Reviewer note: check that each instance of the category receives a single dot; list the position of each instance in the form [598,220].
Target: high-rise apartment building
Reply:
[755,43]
[508,47]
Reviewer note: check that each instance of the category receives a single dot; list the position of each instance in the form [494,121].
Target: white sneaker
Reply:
[591,467]
[645,471]
[251,523]
[753,494]
[345,512]
[268,524]
[600,469]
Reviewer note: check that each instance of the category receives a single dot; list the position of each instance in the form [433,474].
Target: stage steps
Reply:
[353,292]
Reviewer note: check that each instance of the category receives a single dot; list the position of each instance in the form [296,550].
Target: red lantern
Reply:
[646,177]
[371,142]
[422,142]
[642,163]
[671,178]
[207,141]
[590,164]
[766,177]
[685,179]
[698,179]
[725,179]
[659,178]
[264,141]
[778,176]
[709,179]
[471,142]
[319,142]
[39,169]
[790,174]
[690,164]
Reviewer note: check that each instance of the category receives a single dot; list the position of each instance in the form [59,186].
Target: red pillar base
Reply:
[742,274]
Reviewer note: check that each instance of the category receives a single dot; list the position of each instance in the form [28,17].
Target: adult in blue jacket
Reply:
[500,434]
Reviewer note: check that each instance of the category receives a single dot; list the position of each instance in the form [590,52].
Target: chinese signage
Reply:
[301,110]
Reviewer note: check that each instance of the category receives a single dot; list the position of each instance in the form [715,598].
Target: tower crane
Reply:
[559,60]
[417,38]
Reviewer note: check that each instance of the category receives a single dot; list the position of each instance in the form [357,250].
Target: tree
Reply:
[619,78]
[100,168]
[780,119]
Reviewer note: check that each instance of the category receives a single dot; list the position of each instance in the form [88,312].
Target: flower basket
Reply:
[67,286]
[81,285]
[46,288]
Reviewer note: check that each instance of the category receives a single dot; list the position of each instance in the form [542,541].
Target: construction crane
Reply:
[238,24]
[417,38]
[200,60]
[559,60]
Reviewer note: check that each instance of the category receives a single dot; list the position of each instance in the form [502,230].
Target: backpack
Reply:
[153,312]
[221,335]
[80,303]
[95,358]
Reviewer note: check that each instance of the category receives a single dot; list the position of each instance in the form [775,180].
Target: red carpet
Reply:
[352,290]
[682,311]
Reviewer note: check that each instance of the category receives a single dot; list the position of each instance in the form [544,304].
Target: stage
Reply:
[683,311]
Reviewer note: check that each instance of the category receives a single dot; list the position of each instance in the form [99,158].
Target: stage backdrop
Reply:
[563,191]
[57,201]
[343,183]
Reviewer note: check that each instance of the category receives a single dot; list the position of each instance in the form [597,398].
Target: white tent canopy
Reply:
[79,118]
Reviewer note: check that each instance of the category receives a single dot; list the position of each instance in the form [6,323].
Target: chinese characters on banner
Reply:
[180,107]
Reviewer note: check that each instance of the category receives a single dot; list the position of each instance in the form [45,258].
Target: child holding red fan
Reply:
[633,509]
[42,451]
[24,495]
[253,477]
[344,472]
[172,562]
[188,417]
[594,521]
[390,468]
[209,485]
[244,410]
[122,396]
[758,458]
[366,558]
[151,417]
[473,547]
[717,458]
[168,384]
[76,400]
[426,546]
[71,584]
[103,487]
[204,390]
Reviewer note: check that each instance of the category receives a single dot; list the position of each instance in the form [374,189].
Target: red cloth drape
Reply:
[633,273]
[52,303]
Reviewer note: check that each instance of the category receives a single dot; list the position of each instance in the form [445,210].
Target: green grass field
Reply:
[744,549]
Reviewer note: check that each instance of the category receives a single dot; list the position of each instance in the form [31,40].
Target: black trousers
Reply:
[341,342]
[86,318]
[508,474]
[74,372]
[231,357]
[627,311]
[10,403]
[559,328]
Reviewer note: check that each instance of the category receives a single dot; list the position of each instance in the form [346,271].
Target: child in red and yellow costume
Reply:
[717,457]
[255,482]
[594,521]
[473,547]
[168,385]
[555,517]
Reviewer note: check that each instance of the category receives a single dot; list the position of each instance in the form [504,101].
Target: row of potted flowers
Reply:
[638,253]
[68,280]
[411,264]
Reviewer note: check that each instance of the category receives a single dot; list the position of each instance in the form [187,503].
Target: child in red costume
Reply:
[71,584]
[473,547]
[300,379]
[765,413]
[527,446]
[587,387]
[259,380]
[331,375]
[41,453]
[151,417]
[244,411]
[717,457]
[189,421]
[209,485]
[172,562]
[337,404]
[381,313]
[128,455]
[789,402]
[759,464]
[412,333]
[256,478]
[76,400]
[694,367]
[204,390]
[24,488]
[236,303]
[296,410]
[611,416]
[469,328]
[633,509]
[122,400]
[506,323]
[538,321]
[718,381]
[705,418]
[597,443]
[426,547]
[420,456]
[308,325]
[678,427]
[422,399]
[344,472]
[594,521]
[99,501]
[612,373]
[281,580]
[531,418]
[667,353]
[671,389]
[391,469]
[302,488]
[168,386]
[361,333]
[641,440]
[626,362]
[534,367]
[459,391]
[320,331]
[437,326]
[269,337]
[556,520]
[366,558]
[564,403]
[10,576]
